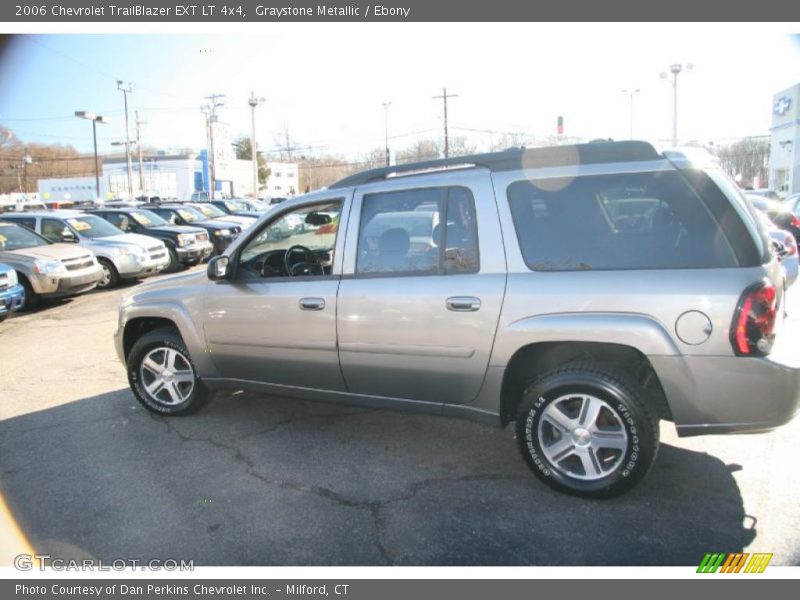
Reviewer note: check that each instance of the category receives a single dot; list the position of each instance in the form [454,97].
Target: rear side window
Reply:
[622,221]
[422,231]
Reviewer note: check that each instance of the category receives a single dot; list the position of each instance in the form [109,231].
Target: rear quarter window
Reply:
[649,220]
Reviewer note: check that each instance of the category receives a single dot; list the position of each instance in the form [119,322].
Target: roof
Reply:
[60,213]
[518,158]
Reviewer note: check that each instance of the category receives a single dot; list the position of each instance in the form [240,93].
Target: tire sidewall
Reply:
[139,351]
[112,274]
[638,456]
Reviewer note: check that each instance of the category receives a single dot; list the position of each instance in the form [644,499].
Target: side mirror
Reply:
[68,238]
[218,268]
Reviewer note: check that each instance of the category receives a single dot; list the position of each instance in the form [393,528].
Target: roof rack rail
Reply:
[512,159]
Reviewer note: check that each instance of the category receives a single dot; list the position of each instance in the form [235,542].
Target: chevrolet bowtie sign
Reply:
[782,106]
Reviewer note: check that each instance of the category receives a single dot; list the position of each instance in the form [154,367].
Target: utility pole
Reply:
[254,102]
[125,91]
[444,98]
[139,148]
[631,93]
[386,106]
[214,102]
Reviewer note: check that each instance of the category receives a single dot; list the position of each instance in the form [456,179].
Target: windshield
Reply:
[92,227]
[210,211]
[147,218]
[14,237]
[234,205]
[190,215]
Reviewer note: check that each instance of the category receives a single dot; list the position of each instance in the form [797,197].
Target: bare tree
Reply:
[746,159]
[426,149]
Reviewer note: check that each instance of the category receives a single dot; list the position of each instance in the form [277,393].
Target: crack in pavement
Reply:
[374,507]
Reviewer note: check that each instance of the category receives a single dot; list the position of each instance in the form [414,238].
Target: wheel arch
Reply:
[141,320]
[533,360]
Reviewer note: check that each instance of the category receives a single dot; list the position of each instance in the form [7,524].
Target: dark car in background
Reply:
[187,245]
[220,232]
[232,206]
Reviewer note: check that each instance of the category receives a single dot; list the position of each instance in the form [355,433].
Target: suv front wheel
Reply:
[584,429]
[162,375]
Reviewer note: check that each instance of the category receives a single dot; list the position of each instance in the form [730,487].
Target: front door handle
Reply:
[463,303]
[312,303]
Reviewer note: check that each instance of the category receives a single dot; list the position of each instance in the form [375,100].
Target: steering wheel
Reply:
[309,265]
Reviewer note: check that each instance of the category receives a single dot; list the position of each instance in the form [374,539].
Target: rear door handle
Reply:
[463,303]
[312,303]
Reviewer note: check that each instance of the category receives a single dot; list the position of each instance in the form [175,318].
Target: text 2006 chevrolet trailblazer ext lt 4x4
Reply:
[585,292]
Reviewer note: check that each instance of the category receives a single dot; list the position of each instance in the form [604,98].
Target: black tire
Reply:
[174,262]
[32,299]
[110,275]
[625,418]
[151,344]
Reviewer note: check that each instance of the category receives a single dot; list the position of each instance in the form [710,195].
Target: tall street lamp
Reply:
[631,93]
[386,106]
[675,69]
[95,119]
[254,102]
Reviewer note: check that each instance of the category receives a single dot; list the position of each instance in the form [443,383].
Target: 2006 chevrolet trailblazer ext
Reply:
[585,292]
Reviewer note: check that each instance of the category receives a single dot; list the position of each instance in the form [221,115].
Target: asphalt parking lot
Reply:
[254,480]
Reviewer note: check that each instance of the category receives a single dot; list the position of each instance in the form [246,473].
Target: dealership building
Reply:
[170,176]
[784,169]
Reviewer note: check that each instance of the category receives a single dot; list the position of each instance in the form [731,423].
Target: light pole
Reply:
[386,106]
[675,69]
[95,119]
[254,102]
[125,91]
[631,93]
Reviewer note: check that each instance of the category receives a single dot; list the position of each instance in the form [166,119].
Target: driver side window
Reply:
[296,244]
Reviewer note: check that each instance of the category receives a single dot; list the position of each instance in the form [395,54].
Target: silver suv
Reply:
[585,292]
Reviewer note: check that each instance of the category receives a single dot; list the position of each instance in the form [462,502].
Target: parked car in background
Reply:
[584,292]
[121,255]
[784,245]
[12,294]
[764,193]
[186,245]
[232,206]
[791,204]
[212,212]
[254,205]
[44,269]
[220,232]
[777,213]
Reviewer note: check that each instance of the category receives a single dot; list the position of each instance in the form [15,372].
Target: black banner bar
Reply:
[266,11]
[731,588]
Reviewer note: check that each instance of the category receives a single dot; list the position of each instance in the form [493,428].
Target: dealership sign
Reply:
[782,106]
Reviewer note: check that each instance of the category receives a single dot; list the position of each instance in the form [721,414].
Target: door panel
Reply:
[268,327]
[258,331]
[397,337]
[412,335]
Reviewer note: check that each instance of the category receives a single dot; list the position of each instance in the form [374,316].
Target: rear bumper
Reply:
[11,299]
[718,394]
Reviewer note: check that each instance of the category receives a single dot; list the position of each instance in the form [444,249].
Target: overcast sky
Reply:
[327,82]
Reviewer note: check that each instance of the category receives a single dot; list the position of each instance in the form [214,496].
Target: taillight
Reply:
[753,329]
[791,245]
[795,221]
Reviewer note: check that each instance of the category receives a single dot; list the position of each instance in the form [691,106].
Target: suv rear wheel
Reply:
[162,375]
[585,430]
